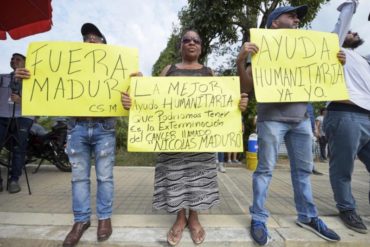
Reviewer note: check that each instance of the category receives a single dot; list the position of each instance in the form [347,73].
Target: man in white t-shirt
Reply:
[347,123]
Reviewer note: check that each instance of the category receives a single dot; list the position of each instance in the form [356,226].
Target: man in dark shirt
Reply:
[13,127]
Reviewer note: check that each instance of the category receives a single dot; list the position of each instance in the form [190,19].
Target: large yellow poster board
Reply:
[185,114]
[297,66]
[77,79]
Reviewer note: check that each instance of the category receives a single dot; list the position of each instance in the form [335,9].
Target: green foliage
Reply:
[121,133]
[121,129]
[169,55]
[46,122]
[212,19]
[248,115]
[124,158]
[317,106]
[225,22]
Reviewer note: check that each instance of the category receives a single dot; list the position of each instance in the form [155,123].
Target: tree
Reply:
[228,20]
[169,55]
[222,22]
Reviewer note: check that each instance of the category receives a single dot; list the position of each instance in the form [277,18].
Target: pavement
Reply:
[44,217]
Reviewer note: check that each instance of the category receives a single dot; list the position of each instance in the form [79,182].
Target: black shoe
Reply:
[353,221]
[316,172]
[14,187]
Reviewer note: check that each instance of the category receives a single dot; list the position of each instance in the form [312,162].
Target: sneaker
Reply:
[318,227]
[353,221]
[221,167]
[260,233]
[14,187]
[235,161]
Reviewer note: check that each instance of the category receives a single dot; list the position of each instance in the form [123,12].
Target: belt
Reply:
[335,106]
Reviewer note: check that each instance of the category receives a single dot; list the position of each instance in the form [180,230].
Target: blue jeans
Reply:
[220,157]
[348,136]
[85,138]
[19,142]
[298,139]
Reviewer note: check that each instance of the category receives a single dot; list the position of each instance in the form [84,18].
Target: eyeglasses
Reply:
[91,37]
[188,40]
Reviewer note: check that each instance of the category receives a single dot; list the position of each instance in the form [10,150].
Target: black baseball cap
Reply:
[88,28]
[300,10]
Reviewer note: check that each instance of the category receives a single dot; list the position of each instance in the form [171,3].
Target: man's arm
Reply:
[245,77]
[245,74]
[347,9]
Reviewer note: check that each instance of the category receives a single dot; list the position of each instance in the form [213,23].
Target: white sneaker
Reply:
[221,167]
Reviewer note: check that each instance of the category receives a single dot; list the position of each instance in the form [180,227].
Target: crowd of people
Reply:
[186,183]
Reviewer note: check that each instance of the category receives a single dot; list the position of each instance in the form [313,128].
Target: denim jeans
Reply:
[87,138]
[19,144]
[298,140]
[323,142]
[348,136]
[220,157]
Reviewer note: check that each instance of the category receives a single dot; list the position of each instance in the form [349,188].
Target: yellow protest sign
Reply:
[77,79]
[297,66]
[185,114]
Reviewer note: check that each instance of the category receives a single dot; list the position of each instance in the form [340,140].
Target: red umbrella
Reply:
[21,18]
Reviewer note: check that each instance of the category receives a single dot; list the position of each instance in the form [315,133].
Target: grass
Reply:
[124,158]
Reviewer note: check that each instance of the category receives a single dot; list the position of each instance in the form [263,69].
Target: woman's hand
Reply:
[243,103]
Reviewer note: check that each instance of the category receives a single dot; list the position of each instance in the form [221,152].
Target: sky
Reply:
[147,25]
[328,16]
[144,24]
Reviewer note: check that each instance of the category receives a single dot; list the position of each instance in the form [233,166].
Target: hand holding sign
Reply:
[185,114]
[297,66]
[76,79]
[247,48]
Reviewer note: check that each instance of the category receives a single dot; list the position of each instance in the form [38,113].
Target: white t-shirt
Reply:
[357,68]
[357,74]
[321,120]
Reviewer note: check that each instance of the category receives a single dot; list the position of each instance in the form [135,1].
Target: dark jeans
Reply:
[18,143]
[323,142]
[348,136]
[220,157]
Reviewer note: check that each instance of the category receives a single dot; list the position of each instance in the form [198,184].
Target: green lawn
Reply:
[124,158]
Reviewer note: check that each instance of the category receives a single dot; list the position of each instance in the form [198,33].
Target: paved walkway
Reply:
[44,218]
